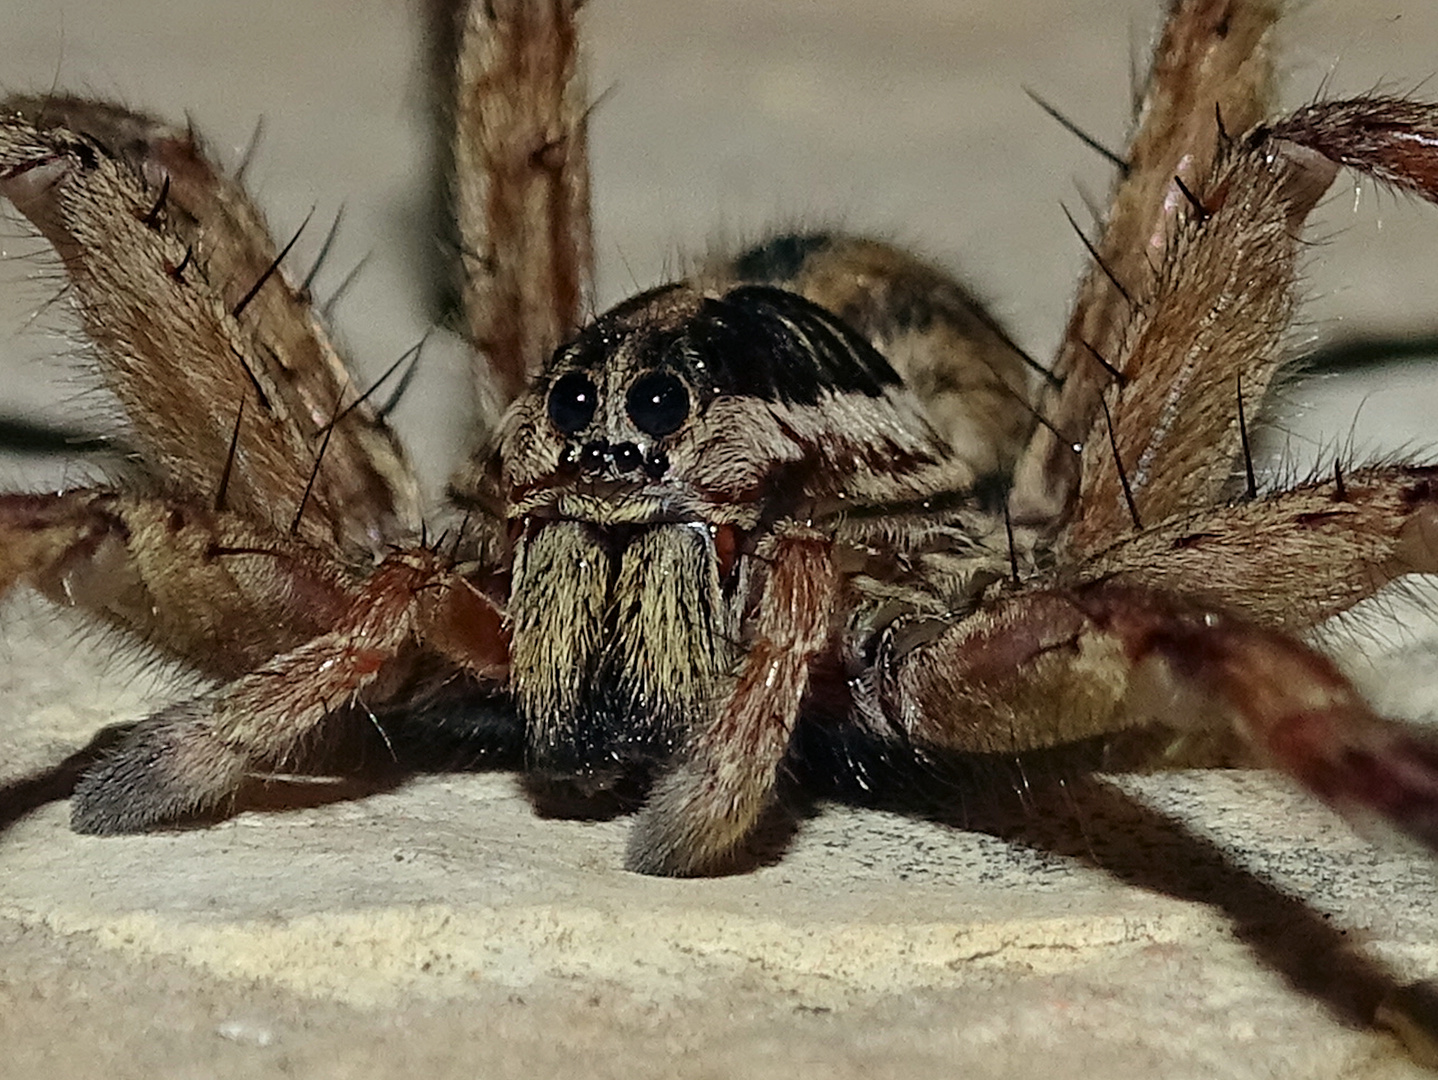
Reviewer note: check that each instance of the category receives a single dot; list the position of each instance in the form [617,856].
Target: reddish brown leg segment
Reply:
[1293,559]
[1048,667]
[1291,704]
[699,813]
[190,758]
[206,586]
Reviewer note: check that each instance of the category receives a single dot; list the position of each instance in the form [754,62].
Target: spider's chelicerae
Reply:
[808,505]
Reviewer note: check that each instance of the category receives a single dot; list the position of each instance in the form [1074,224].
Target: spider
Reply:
[804,498]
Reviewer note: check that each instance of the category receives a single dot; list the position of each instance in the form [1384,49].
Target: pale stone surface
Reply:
[1143,928]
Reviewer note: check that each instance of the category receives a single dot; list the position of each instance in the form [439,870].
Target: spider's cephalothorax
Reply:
[659,457]
[806,491]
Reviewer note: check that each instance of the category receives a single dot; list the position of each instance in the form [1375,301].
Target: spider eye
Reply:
[572,401]
[658,403]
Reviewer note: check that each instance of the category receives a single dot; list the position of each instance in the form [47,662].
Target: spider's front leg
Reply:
[1211,74]
[512,94]
[1179,330]
[1169,564]
[189,759]
[1048,667]
[269,483]
[706,805]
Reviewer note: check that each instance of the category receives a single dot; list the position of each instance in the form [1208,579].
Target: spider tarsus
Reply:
[1383,768]
[676,835]
[167,771]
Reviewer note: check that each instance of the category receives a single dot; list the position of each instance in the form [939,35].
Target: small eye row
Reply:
[657,402]
[622,459]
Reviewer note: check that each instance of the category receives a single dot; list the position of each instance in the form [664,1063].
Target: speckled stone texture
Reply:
[1191,925]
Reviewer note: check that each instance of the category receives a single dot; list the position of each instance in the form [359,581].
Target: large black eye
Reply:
[572,401]
[658,403]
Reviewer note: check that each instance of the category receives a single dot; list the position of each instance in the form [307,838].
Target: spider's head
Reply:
[681,405]
[643,474]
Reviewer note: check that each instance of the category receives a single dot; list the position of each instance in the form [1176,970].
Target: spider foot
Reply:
[694,825]
[172,768]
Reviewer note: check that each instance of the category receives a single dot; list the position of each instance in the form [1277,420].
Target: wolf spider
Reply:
[803,498]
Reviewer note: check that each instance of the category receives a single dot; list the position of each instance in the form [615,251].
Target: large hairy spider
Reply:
[802,502]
